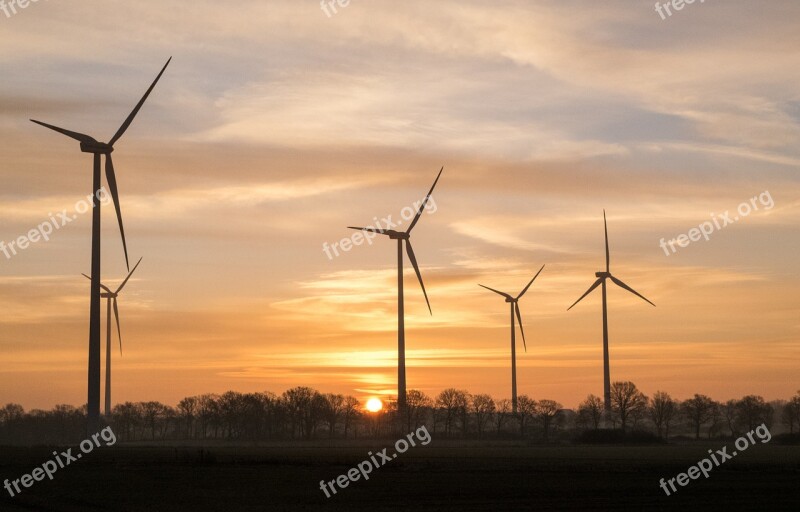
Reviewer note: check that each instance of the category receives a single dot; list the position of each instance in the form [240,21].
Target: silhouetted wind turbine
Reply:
[98,149]
[402,236]
[111,297]
[601,280]
[514,303]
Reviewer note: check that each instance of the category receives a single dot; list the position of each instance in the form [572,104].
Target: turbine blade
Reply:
[529,284]
[136,109]
[381,231]
[80,137]
[119,331]
[519,319]
[497,292]
[129,276]
[112,185]
[608,254]
[590,290]
[623,285]
[104,287]
[422,206]
[410,252]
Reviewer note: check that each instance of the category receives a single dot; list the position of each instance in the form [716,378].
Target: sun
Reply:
[374,405]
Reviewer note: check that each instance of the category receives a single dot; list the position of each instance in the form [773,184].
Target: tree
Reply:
[334,404]
[452,403]
[698,411]
[305,406]
[483,408]
[417,403]
[590,411]
[187,408]
[546,411]
[728,410]
[502,412]
[752,411]
[790,413]
[350,411]
[151,413]
[626,400]
[662,410]
[526,409]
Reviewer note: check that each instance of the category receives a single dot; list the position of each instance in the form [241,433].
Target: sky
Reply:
[277,125]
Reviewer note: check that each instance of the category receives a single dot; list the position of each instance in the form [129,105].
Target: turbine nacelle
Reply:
[604,275]
[397,235]
[97,148]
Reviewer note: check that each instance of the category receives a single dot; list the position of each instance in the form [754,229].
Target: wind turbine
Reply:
[111,297]
[601,280]
[98,149]
[514,303]
[404,236]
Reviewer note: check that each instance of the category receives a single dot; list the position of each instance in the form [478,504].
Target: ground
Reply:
[443,476]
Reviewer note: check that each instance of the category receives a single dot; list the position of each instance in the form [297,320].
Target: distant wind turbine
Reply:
[404,236]
[514,303]
[601,280]
[98,149]
[111,298]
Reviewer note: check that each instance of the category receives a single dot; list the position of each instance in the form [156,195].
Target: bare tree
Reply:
[453,404]
[590,411]
[502,412]
[790,413]
[626,399]
[546,411]
[662,411]
[483,407]
[698,411]
[187,409]
[752,411]
[350,411]
[334,404]
[417,403]
[526,409]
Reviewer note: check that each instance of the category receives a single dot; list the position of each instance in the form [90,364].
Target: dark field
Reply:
[442,476]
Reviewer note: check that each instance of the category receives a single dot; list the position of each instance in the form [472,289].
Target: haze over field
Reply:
[277,126]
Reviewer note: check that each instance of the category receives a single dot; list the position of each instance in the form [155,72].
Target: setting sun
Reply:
[374,405]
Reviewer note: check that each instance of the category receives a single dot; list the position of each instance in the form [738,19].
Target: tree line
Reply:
[303,413]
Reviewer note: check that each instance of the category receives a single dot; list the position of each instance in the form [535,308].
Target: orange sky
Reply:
[275,127]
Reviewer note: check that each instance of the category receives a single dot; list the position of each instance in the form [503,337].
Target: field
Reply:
[442,476]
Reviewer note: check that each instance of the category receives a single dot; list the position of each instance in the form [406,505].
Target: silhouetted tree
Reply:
[483,409]
[590,412]
[626,400]
[451,403]
[526,410]
[752,411]
[698,411]
[502,413]
[662,411]
[417,404]
[351,411]
[546,411]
